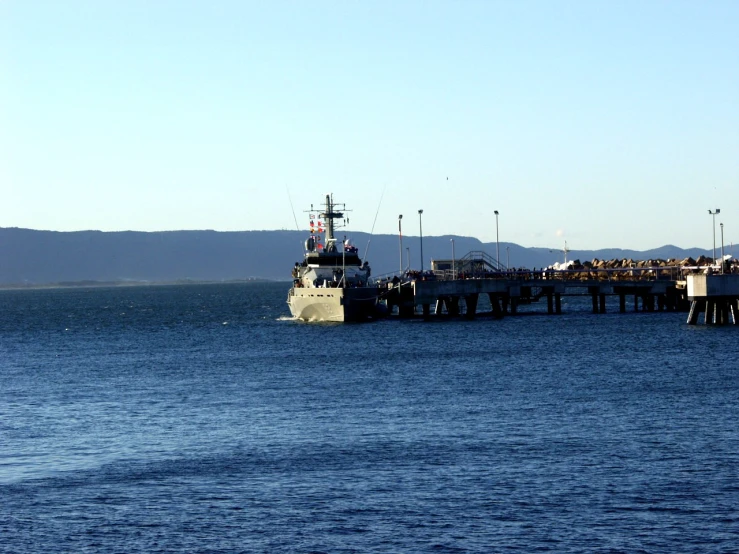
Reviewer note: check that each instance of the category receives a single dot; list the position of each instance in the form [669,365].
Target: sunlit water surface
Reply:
[201,418]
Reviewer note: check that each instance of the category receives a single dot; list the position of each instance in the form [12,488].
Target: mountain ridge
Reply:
[38,257]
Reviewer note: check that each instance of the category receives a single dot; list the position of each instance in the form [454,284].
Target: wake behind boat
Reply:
[331,283]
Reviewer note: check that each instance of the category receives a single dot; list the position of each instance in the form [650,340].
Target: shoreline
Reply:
[124,284]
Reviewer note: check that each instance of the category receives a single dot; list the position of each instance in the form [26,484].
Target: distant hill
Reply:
[44,257]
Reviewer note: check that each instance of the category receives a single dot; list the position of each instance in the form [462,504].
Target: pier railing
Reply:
[667,273]
[584,275]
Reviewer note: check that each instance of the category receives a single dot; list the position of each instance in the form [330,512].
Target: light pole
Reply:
[420,229]
[722,248]
[508,257]
[713,213]
[400,237]
[497,244]
[454,260]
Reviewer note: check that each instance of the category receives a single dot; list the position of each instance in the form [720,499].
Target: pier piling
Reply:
[716,295]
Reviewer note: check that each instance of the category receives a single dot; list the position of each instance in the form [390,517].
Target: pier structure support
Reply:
[554,300]
[554,296]
[676,299]
[401,296]
[693,313]
[452,307]
[645,295]
[716,311]
[426,311]
[448,303]
[450,294]
[723,312]
[470,301]
[717,296]
[726,314]
[598,296]
[495,302]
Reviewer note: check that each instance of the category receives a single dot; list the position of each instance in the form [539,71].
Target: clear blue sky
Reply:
[608,124]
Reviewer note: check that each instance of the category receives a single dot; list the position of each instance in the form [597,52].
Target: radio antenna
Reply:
[372,232]
[292,208]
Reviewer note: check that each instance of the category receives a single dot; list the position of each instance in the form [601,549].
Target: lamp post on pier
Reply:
[508,257]
[454,261]
[400,237]
[420,230]
[722,248]
[713,213]
[497,243]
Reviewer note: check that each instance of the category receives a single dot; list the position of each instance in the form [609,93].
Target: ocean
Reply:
[201,418]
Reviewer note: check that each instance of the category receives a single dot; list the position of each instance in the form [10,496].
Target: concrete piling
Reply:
[716,295]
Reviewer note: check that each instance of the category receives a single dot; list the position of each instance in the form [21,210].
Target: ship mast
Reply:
[329,215]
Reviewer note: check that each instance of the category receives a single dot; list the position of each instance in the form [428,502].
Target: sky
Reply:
[608,124]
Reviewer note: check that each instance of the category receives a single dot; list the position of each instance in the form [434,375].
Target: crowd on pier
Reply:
[603,270]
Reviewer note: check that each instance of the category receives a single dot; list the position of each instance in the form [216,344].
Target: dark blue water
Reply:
[202,419]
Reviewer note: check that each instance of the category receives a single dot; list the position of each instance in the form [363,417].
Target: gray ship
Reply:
[331,283]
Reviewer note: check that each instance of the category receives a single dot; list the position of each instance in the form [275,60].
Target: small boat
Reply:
[331,283]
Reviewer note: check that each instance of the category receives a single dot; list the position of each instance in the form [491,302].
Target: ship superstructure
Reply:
[332,283]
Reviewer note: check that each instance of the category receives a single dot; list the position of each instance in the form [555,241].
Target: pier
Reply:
[456,287]
[716,296]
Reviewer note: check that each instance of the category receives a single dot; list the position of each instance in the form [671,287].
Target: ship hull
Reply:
[333,304]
